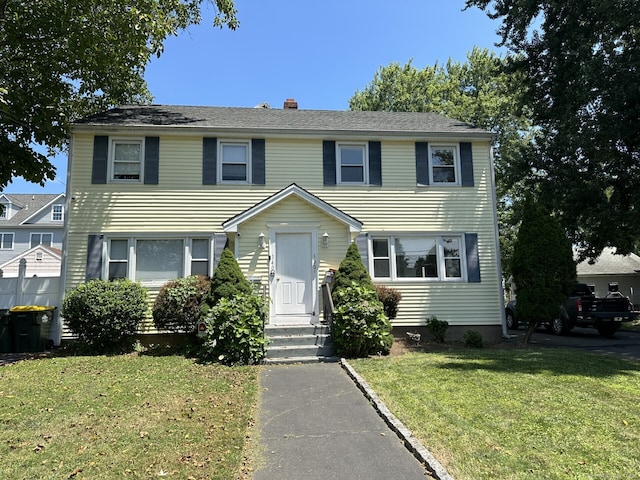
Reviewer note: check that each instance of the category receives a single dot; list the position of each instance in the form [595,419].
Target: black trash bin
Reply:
[6,337]
[31,327]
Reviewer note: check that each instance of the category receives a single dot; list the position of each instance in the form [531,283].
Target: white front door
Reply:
[293,283]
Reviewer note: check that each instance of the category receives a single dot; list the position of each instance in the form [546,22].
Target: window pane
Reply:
[35,239]
[416,257]
[46,239]
[117,270]
[6,241]
[380,247]
[452,267]
[127,152]
[352,155]
[234,172]
[159,260]
[119,250]
[200,268]
[442,157]
[352,174]
[234,153]
[452,263]
[444,175]
[126,171]
[381,268]
[200,248]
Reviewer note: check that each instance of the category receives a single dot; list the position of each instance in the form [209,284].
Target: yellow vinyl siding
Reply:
[180,204]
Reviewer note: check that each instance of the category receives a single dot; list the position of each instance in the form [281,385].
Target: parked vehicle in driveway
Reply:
[583,309]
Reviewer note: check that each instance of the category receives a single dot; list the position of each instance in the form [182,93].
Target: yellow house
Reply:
[155,192]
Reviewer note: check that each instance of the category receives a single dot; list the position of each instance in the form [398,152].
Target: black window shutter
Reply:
[100,159]
[151,160]
[329,162]
[363,248]
[257,161]
[422,163]
[466,164]
[209,161]
[220,241]
[94,258]
[473,259]
[375,163]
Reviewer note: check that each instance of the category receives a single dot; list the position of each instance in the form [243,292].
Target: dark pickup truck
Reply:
[583,309]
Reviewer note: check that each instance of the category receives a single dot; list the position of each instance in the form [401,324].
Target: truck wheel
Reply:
[607,329]
[559,326]
[512,323]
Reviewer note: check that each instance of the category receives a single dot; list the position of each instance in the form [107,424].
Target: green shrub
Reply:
[351,270]
[473,339]
[227,281]
[235,331]
[178,303]
[360,327]
[438,328]
[390,298]
[105,315]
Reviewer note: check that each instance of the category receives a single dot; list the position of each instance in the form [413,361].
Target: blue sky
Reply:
[318,52]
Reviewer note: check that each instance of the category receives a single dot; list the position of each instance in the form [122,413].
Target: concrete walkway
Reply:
[316,424]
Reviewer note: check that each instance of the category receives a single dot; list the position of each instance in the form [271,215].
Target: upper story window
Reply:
[352,163]
[57,213]
[4,211]
[41,239]
[445,164]
[6,241]
[234,165]
[437,257]
[126,157]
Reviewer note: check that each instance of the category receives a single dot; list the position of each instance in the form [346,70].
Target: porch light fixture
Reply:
[261,241]
[325,239]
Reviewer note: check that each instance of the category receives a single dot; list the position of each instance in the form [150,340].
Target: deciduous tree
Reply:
[62,60]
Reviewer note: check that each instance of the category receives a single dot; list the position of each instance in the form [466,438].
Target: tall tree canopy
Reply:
[63,59]
[480,92]
[581,63]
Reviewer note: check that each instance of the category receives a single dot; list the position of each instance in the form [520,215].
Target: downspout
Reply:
[496,233]
[65,240]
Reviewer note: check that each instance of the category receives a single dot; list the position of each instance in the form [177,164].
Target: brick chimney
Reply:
[290,104]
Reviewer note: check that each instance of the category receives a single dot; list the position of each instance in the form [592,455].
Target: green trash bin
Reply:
[6,339]
[31,327]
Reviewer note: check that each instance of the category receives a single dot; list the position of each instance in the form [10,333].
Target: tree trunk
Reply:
[531,327]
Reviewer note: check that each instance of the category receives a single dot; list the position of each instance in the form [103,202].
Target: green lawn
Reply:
[530,413]
[124,417]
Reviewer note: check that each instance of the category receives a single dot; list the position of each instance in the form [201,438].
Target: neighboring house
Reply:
[158,191]
[31,228]
[623,270]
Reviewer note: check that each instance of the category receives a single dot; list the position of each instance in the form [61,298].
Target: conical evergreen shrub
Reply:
[352,270]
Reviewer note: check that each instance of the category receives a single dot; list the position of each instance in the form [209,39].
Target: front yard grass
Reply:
[124,417]
[529,413]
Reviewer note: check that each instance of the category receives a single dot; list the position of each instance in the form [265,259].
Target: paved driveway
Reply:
[624,343]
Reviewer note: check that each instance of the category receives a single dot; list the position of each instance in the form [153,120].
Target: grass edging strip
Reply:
[411,443]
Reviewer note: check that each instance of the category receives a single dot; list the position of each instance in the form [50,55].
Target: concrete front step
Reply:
[298,343]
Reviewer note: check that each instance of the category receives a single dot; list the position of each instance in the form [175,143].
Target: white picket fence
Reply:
[22,290]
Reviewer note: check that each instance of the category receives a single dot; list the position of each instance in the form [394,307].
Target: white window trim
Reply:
[441,278]
[131,254]
[220,162]
[40,234]
[2,242]
[456,163]
[365,167]
[53,212]
[112,150]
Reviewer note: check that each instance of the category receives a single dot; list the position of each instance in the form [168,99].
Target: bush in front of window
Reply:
[227,281]
[105,314]
[235,331]
[351,270]
[360,327]
[437,328]
[390,298]
[177,306]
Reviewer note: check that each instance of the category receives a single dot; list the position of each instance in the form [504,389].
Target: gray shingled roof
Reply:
[284,120]
[30,205]
[610,264]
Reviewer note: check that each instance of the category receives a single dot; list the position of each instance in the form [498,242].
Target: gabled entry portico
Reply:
[290,258]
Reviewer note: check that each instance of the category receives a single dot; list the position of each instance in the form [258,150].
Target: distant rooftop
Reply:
[608,263]
[280,120]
